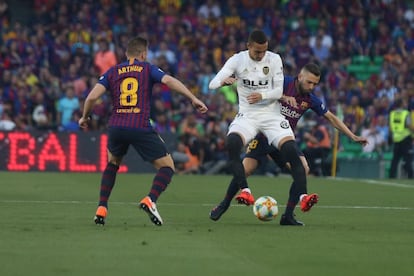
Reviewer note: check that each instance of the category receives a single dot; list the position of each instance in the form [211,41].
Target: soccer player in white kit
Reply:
[258,74]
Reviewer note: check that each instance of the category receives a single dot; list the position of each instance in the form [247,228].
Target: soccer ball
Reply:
[265,208]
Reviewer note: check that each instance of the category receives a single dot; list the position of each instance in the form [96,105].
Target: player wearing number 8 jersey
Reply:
[130,85]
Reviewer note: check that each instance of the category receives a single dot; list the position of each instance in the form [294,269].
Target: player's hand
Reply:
[228,81]
[199,105]
[362,140]
[254,98]
[289,100]
[83,122]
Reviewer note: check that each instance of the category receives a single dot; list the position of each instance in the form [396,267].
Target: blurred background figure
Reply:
[401,129]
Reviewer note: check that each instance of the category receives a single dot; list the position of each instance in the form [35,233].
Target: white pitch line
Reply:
[190,204]
[375,182]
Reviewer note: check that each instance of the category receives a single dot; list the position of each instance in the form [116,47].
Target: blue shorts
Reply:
[259,148]
[148,144]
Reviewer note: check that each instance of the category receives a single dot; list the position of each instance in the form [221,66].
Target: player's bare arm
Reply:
[179,87]
[338,124]
[97,91]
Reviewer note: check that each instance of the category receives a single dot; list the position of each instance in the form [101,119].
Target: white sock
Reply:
[301,196]
[246,190]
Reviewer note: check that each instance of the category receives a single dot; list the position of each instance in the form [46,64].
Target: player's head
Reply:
[137,48]
[257,45]
[308,78]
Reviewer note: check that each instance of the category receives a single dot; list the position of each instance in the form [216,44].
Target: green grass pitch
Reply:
[359,227]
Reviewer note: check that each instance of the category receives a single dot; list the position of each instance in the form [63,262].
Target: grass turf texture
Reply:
[358,228]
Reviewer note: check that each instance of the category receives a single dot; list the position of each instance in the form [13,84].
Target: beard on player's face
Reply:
[302,90]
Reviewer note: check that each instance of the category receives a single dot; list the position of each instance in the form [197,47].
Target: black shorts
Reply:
[148,144]
[259,148]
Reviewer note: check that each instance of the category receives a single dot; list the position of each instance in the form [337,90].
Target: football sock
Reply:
[292,201]
[231,192]
[234,145]
[107,183]
[290,154]
[247,190]
[160,182]
[302,196]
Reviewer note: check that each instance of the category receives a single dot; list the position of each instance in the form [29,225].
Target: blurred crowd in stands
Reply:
[49,62]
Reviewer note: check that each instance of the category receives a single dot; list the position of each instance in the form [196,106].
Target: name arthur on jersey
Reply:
[130,68]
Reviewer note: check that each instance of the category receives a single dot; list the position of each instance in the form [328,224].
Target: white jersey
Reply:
[265,77]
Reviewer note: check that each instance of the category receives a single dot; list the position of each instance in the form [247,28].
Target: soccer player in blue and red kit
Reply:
[130,85]
[300,88]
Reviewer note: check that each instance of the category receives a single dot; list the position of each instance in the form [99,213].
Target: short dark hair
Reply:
[257,36]
[312,68]
[136,46]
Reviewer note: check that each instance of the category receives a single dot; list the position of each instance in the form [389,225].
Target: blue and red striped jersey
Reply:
[305,102]
[130,86]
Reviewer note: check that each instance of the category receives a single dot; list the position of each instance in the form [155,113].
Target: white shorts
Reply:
[274,127]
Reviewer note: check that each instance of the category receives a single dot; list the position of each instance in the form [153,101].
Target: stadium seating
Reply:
[363,67]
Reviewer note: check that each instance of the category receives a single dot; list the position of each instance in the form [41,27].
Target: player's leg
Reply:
[396,156]
[283,138]
[250,164]
[165,171]
[408,157]
[116,150]
[241,130]
[276,155]
[304,163]
[257,148]
[153,149]
[234,146]
[298,190]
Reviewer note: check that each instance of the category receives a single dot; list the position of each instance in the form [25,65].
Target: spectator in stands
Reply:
[22,107]
[4,13]
[46,41]
[204,77]
[104,57]
[6,122]
[162,123]
[389,90]
[384,129]
[320,51]
[209,9]
[190,126]
[66,106]
[61,54]
[318,147]
[354,115]
[169,55]
[41,116]
[15,55]
[189,164]
[376,142]
[79,39]
[302,52]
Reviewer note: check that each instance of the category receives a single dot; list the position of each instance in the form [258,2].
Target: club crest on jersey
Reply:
[284,124]
[266,70]
[304,105]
